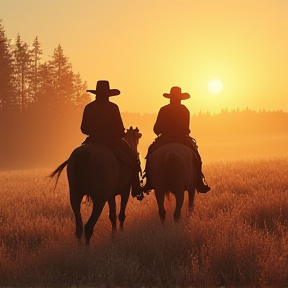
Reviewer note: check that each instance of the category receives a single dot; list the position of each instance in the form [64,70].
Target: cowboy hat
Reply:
[175,93]
[103,89]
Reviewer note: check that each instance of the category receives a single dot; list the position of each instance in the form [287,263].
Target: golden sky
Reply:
[144,47]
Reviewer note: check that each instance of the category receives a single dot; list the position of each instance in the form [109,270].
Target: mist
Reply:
[45,137]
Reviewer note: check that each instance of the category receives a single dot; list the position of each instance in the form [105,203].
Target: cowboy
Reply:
[172,125]
[102,122]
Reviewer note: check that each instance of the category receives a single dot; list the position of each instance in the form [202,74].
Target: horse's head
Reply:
[132,137]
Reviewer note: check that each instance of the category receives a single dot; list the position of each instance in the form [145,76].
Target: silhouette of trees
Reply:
[79,95]
[237,123]
[35,76]
[21,65]
[6,72]
[26,81]
[62,78]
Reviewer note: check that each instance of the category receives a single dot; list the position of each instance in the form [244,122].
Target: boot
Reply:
[148,186]
[201,185]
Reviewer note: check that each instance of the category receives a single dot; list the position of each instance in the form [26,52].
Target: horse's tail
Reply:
[58,171]
[170,173]
[173,172]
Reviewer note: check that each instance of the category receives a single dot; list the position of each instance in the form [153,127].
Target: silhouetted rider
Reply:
[172,119]
[172,125]
[102,122]
[102,117]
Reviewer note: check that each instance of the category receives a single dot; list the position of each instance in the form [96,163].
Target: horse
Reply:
[172,169]
[95,171]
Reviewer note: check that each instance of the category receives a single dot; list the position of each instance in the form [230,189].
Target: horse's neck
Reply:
[133,143]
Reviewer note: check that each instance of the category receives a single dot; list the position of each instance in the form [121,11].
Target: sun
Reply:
[215,86]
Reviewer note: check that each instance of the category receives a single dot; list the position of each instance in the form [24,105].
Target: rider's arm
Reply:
[85,124]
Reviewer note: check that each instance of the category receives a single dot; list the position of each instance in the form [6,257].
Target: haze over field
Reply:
[240,135]
[145,47]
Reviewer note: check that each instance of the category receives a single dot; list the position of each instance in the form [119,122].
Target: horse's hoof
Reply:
[140,197]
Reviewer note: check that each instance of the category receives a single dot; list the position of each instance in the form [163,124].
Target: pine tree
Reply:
[6,72]
[80,96]
[45,90]
[22,59]
[62,76]
[34,77]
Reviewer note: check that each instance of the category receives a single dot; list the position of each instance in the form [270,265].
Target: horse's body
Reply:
[173,168]
[94,170]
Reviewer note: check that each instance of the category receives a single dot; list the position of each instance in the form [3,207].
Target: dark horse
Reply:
[173,168]
[94,170]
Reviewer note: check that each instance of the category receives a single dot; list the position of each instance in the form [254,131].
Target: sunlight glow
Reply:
[215,86]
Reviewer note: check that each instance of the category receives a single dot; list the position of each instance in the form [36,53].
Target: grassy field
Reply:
[237,236]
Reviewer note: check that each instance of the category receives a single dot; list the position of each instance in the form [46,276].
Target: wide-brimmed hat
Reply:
[175,93]
[103,89]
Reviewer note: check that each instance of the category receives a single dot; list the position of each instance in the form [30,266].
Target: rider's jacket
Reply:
[102,117]
[172,119]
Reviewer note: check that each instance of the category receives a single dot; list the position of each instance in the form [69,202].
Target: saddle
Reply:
[189,142]
[120,147]
[172,138]
[124,153]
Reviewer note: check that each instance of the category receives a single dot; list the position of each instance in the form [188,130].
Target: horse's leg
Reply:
[124,201]
[112,214]
[179,203]
[191,197]
[160,201]
[75,202]
[98,205]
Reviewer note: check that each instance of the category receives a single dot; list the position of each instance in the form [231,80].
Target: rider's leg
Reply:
[201,185]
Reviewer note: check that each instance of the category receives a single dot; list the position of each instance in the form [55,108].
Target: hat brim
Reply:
[182,96]
[109,93]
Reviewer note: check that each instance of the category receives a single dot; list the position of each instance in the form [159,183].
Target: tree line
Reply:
[28,82]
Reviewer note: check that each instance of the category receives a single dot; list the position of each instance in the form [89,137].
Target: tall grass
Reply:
[236,237]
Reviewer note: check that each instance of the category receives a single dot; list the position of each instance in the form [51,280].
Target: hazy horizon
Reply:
[144,48]
[238,135]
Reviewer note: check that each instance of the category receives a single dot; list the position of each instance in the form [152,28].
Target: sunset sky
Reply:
[144,47]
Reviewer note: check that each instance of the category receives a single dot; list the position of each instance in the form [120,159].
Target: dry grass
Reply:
[237,236]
